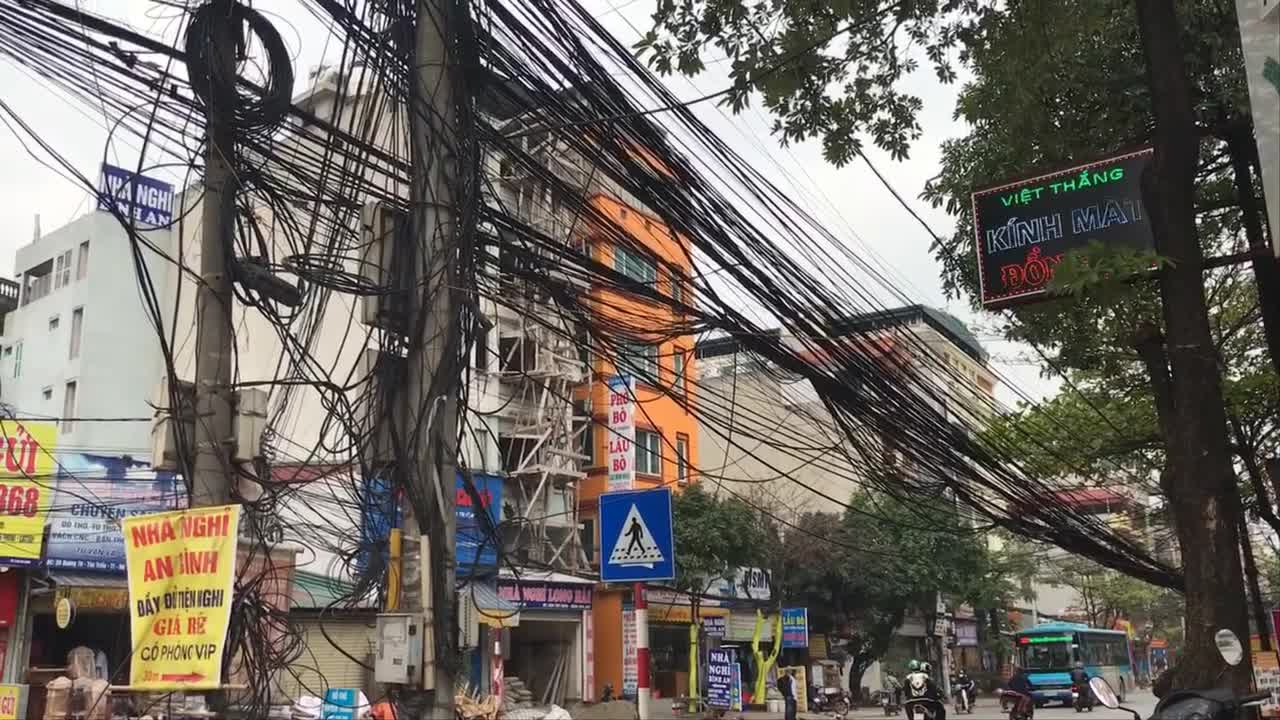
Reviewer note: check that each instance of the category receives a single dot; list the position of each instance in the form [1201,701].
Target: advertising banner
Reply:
[148,201]
[94,494]
[1266,676]
[476,546]
[622,432]
[181,570]
[630,672]
[1023,229]
[719,679]
[13,702]
[795,627]
[1260,40]
[26,488]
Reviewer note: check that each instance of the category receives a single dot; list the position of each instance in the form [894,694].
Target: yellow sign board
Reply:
[27,479]
[11,702]
[682,614]
[181,568]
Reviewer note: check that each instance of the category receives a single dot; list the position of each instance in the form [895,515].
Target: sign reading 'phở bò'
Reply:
[181,568]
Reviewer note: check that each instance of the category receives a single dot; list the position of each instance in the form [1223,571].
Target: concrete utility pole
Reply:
[211,473]
[429,404]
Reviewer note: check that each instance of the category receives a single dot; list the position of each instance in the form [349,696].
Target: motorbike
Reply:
[1081,699]
[1209,704]
[830,700]
[1012,700]
[930,708]
[964,698]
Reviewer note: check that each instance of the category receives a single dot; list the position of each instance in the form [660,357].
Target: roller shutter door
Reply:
[322,665]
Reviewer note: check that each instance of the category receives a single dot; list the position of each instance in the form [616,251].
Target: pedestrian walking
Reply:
[789,694]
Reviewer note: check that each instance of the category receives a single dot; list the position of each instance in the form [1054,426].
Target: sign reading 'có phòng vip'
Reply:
[1024,229]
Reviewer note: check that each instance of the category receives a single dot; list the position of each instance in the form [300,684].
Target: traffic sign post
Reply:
[636,535]
[637,526]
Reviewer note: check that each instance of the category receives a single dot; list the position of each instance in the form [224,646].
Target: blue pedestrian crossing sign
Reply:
[635,536]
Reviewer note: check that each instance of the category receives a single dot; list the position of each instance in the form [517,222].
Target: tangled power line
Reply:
[532,74]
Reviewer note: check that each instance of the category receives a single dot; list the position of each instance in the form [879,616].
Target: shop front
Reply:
[550,649]
[671,620]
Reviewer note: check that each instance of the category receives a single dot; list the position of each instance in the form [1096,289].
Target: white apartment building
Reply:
[805,462]
[80,344]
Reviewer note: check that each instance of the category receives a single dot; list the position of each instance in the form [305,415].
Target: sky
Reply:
[849,201]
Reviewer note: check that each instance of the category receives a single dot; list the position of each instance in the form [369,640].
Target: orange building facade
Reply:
[641,342]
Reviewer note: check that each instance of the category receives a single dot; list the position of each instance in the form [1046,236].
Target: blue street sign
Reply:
[636,537]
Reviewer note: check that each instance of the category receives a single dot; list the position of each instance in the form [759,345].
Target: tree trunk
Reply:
[1203,500]
[1255,589]
[1266,268]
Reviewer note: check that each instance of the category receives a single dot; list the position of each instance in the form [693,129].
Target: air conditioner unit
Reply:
[165,449]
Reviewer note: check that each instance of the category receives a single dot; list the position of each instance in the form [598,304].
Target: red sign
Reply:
[9,585]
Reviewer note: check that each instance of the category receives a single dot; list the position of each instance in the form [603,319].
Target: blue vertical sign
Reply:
[379,513]
[477,544]
[720,679]
[795,627]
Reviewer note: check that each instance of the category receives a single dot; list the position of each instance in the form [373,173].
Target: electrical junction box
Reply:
[398,659]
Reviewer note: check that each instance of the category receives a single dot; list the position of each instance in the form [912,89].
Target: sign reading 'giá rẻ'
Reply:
[181,568]
[1024,229]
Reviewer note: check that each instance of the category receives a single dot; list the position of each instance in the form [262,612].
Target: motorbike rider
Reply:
[962,681]
[1080,678]
[1021,684]
[921,686]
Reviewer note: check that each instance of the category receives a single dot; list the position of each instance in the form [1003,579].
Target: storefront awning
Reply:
[491,609]
[545,576]
[88,580]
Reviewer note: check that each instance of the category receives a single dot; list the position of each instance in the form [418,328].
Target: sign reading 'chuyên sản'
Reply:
[1024,229]
[181,570]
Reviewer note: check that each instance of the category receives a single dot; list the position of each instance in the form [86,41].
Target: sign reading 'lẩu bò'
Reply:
[1024,229]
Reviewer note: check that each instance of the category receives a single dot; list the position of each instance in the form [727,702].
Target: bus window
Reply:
[1046,656]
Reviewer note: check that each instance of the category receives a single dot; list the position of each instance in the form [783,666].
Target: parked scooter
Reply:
[1211,704]
[830,700]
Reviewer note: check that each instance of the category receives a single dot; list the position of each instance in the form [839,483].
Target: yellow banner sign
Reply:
[11,702]
[181,568]
[27,478]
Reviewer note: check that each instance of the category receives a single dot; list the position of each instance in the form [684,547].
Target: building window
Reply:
[635,265]
[648,453]
[57,272]
[640,359]
[37,282]
[53,323]
[682,458]
[47,393]
[82,262]
[17,360]
[677,363]
[677,290]
[69,406]
[77,327]
[482,349]
[66,268]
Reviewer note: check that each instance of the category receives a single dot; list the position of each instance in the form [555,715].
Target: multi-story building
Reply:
[81,342]
[769,438]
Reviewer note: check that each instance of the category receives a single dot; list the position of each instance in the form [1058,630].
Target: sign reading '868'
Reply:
[26,479]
